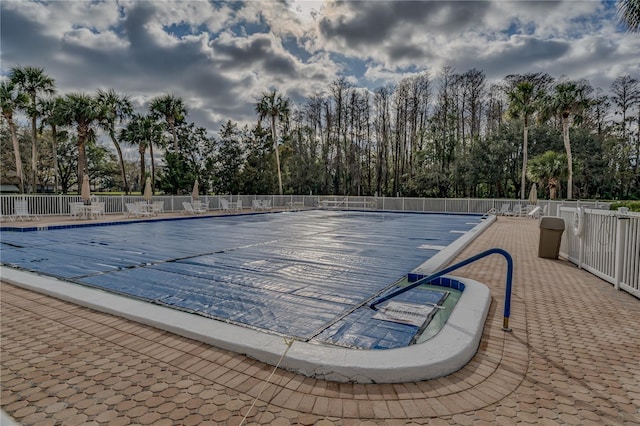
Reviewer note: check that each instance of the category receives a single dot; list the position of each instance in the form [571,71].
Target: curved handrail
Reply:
[428,279]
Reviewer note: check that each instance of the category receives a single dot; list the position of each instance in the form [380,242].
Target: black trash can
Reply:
[551,229]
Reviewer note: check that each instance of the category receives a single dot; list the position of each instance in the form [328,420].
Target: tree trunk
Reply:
[142,150]
[121,159]
[636,166]
[16,153]
[82,155]
[525,153]
[153,170]
[567,147]
[175,136]
[54,149]
[34,155]
[275,146]
[369,165]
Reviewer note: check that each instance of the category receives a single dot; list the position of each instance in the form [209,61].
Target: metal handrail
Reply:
[427,280]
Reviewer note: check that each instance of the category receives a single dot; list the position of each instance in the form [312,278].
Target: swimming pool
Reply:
[304,275]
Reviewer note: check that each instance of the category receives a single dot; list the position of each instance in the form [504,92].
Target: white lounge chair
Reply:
[21,211]
[133,209]
[97,209]
[535,212]
[76,210]
[505,210]
[491,211]
[545,210]
[158,207]
[294,206]
[190,209]
[518,211]
[261,205]
[199,207]
[224,205]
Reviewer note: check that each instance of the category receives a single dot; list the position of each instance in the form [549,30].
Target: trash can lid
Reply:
[549,222]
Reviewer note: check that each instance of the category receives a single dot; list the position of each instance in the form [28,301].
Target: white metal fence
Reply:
[56,205]
[606,243]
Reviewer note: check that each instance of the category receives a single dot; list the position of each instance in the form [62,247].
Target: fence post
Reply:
[581,238]
[621,229]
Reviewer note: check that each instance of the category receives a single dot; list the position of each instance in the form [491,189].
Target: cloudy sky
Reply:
[220,56]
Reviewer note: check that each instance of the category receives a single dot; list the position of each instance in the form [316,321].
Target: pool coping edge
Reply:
[445,256]
[443,354]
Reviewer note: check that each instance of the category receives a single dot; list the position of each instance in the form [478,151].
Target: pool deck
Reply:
[572,358]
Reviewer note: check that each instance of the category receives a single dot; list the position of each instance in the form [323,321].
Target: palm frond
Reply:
[629,14]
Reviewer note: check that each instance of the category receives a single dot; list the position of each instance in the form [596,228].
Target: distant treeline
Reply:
[448,135]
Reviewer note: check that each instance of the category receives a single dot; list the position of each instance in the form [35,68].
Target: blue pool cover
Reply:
[304,275]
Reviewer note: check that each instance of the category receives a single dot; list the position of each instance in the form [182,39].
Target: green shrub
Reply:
[633,206]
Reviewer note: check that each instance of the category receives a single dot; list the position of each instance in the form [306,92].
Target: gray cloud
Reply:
[22,40]
[407,52]
[147,49]
[151,56]
[259,53]
[374,22]
[529,53]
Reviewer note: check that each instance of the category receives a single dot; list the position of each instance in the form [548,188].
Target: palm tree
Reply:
[523,102]
[547,169]
[11,100]
[275,106]
[629,14]
[52,114]
[114,108]
[568,102]
[152,133]
[32,81]
[131,134]
[82,110]
[172,109]
[143,131]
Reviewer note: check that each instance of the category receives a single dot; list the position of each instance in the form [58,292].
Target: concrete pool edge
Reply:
[443,354]
[443,257]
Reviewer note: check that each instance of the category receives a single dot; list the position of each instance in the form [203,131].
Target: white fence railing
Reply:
[607,246]
[56,205]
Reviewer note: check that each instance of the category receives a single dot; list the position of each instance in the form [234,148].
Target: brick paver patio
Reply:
[572,358]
